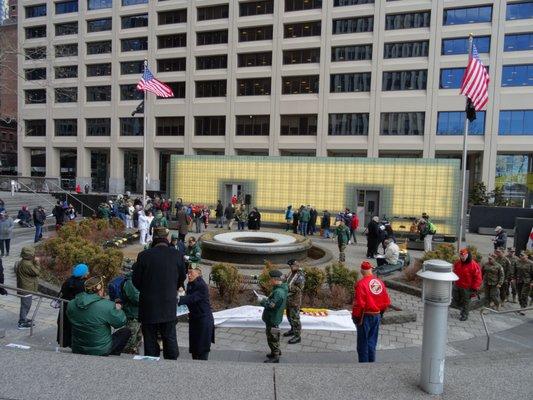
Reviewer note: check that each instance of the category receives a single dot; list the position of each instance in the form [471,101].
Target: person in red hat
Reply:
[370,302]
[469,282]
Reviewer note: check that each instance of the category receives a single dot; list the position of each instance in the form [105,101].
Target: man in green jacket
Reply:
[193,252]
[27,271]
[273,314]
[159,220]
[343,237]
[92,318]
[130,306]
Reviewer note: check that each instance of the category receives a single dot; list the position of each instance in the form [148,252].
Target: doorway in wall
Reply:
[367,205]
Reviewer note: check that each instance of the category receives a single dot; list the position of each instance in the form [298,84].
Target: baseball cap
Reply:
[276,273]
[463,251]
[366,266]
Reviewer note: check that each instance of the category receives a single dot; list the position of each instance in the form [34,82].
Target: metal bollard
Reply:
[437,278]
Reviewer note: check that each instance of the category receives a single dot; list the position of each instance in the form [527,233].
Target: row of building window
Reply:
[512,122]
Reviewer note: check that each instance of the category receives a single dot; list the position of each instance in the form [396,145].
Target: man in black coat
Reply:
[157,278]
[372,237]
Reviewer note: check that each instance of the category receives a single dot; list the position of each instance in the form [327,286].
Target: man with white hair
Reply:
[500,240]
[392,253]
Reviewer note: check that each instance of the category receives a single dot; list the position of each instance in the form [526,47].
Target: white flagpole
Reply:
[145,132]
[462,229]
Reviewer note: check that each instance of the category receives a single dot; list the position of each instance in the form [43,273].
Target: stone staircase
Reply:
[14,203]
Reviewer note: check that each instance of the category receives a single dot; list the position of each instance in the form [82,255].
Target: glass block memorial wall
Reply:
[407,187]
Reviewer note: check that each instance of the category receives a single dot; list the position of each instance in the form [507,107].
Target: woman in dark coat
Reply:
[201,322]
[254,220]
[295,221]
[71,287]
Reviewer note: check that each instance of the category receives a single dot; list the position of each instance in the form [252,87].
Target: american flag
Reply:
[475,83]
[148,83]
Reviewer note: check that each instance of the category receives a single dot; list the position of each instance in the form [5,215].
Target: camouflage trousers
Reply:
[132,347]
[461,298]
[293,315]
[272,334]
[342,256]
[492,294]
[504,290]
[523,290]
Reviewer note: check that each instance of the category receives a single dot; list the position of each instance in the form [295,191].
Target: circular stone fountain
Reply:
[254,248]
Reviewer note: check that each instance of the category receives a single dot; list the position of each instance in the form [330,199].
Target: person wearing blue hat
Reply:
[71,287]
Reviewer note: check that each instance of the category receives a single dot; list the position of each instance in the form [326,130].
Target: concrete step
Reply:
[14,203]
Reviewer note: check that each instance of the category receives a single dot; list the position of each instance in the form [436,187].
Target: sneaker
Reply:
[24,325]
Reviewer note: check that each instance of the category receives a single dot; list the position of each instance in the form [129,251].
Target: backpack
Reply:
[115,288]
[432,229]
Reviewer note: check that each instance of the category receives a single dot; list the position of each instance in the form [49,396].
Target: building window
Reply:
[212,62]
[298,5]
[35,53]
[513,176]
[254,59]
[35,96]
[35,32]
[210,126]
[35,74]
[254,33]
[517,75]
[342,3]
[102,47]
[211,37]
[451,78]
[66,7]
[131,126]
[135,44]
[520,10]
[406,49]
[253,87]
[353,25]
[256,8]
[67,71]
[130,92]
[453,123]
[178,88]
[35,127]
[354,82]
[38,162]
[299,125]
[351,53]
[214,88]
[421,19]
[131,67]
[171,64]
[304,29]
[172,17]
[133,2]
[170,41]
[99,93]
[99,69]
[405,80]
[300,84]
[467,15]
[66,50]
[353,124]
[98,126]
[134,21]
[66,127]
[303,56]
[170,126]
[66,95]
[36,11]
[460,45]
[99,25]
[402,123]
[99,4]
[252,125]
[68,28]
[516,122]
[518,42]
[212,12]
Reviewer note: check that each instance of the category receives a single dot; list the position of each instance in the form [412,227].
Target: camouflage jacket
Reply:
[524,271]
[296,282]
[507,266]
[493,275]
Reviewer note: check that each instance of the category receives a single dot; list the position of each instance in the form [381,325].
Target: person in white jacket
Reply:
[392,253]
[143,227]
[129,216]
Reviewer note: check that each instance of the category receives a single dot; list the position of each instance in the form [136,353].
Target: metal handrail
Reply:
[496,312]
[41,296]
[75,198]
[34,192]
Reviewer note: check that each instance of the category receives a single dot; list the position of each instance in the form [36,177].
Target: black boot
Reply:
[295,339]
[270,355]
[289,333]
[272,360]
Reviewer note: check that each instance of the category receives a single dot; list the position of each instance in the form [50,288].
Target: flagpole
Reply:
[465,154]
[145,132]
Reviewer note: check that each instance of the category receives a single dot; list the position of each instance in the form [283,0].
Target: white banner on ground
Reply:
[250,317]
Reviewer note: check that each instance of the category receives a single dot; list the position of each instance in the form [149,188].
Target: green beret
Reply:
[275,273]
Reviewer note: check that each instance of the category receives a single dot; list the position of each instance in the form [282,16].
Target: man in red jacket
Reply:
[370,302]
[469,282]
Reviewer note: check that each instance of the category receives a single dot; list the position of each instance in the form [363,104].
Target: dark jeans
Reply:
[240,225]
[367,338]
[381,261]
[201,356]
[167,330]
[25,305]
[4,244]
[119,340]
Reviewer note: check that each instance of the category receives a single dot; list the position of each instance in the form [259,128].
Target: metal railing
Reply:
[41,296]
[29,183]
[482,313]
[34,192]
[67,194]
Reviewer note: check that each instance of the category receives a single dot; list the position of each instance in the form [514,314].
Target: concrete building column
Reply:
[152,164]
[83,167]
[52,161]
[24,161]
[116,171]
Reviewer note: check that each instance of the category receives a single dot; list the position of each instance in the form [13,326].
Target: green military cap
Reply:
[275,273]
